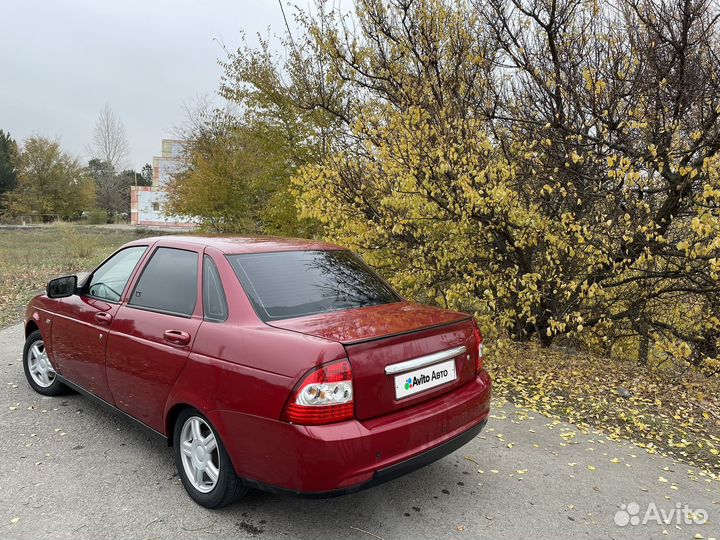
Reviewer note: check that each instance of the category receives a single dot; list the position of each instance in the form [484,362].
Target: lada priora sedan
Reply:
[286,365]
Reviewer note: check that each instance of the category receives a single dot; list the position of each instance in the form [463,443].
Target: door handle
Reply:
[176,337]
[103,318]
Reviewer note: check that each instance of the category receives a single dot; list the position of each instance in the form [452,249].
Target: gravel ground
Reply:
[71,469]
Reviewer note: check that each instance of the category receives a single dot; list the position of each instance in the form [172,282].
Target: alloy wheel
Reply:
[41,370]
[200,456]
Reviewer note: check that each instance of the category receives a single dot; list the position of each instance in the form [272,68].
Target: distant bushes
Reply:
[96,216]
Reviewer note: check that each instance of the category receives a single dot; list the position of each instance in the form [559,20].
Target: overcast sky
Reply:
[62,60]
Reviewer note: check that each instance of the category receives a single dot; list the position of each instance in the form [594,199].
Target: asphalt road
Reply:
[70,469]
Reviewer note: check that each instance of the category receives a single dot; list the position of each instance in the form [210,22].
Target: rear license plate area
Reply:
[419,380]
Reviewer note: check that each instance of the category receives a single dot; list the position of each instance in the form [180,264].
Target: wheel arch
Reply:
[174,411]
[30,327]
[170,418]
[185,395]
[215,420]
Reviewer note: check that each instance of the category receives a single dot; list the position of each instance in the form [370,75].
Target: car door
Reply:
[153,332]
[81,323]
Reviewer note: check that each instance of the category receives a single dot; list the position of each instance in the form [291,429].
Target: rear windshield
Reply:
[290,284]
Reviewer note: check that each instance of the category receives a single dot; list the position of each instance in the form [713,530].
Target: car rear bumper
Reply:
[384,475]
[345,457]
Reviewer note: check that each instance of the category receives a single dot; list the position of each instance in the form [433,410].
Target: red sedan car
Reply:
[282,364]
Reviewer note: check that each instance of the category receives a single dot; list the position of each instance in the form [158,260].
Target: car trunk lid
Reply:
[390,343]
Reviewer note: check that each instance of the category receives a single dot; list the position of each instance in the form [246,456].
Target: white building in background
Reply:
[147,202]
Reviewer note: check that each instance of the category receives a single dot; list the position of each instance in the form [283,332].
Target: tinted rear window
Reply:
[296,283]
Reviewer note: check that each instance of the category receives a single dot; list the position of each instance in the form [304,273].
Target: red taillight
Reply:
[324,396]
[480,353]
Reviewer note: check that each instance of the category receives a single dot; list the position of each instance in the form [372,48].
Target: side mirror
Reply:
[61,287]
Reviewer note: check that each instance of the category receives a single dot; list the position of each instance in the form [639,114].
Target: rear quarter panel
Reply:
[246,369]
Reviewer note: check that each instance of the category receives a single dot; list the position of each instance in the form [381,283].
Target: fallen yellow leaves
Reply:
[650,408]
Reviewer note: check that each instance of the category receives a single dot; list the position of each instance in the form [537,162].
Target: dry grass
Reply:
[29,257]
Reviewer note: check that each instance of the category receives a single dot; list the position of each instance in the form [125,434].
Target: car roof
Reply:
[241,244]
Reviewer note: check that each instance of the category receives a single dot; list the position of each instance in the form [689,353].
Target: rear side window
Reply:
[214,303]
[168,282]
[290,284]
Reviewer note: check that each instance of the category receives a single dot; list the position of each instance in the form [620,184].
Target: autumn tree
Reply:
[50,183]
[221,183]
[109,149]
[109,141]
[548,164]
[612,113]
[112,188]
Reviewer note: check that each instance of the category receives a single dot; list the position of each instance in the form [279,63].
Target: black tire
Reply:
[55,387]
[228,487]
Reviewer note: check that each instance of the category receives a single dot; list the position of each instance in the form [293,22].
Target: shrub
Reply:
[97,216]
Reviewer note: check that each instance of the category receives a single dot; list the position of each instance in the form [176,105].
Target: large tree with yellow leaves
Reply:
[551,165]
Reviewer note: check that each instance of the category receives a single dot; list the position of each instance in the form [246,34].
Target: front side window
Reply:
[168,283]
[214,303]
[109,281]
[290,284]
